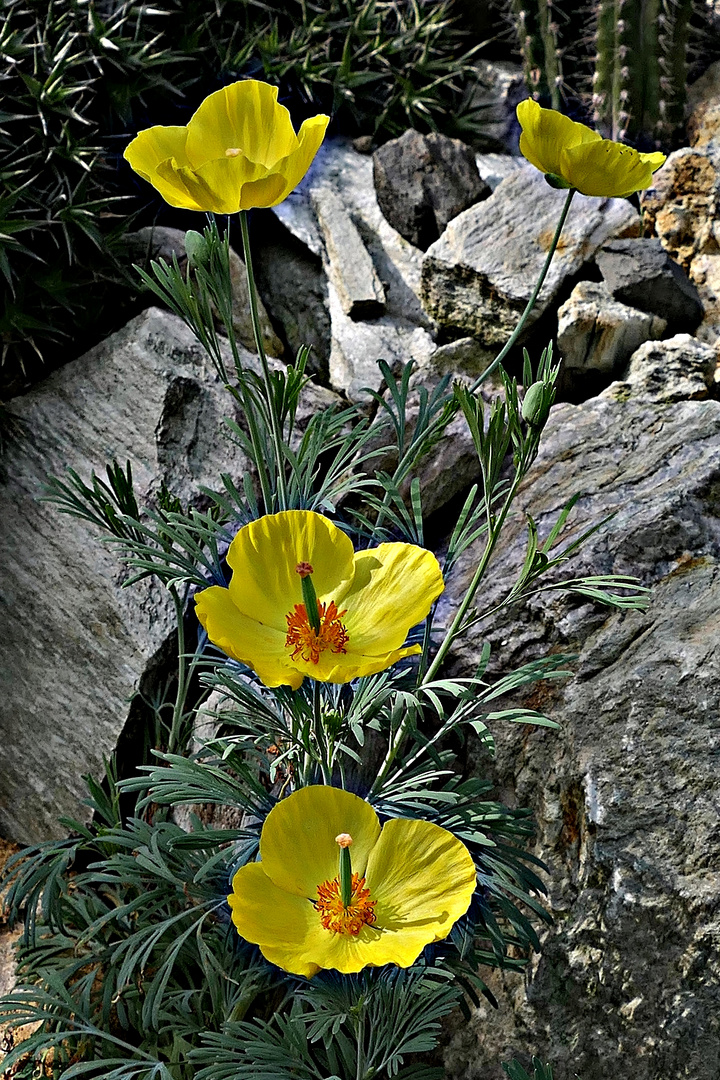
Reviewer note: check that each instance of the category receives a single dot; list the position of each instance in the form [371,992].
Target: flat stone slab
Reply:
[350,266]
[479,275]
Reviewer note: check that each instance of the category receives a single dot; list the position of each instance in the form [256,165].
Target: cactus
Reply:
[632,53]
[538,31]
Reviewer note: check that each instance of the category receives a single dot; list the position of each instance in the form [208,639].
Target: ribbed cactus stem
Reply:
[605,52]
[525,17]
[673,36]
[639,56]
[549,29]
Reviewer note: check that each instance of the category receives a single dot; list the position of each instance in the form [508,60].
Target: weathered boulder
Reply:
[350,266]
[291,279]
[493,168]
[639,272]
[423,182]
[682,208]
[81,648]
[680,368]
[479,275]
[703,102]
[625,794]
[499,88]
[597,334]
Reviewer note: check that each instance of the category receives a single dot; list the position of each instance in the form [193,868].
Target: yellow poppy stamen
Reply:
[338,916]
[314,627]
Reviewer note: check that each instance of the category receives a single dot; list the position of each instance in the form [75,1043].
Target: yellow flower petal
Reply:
[263,557]
[227,179]
[297,846]
[269,916]
[238,150]
[381,608]
[288,930]
[297,163]
[244,639]
[162,147]
[244,116]
[422,877]
[322,949]
[344,667]
[379,595]
[545,133]
[607,169]
[594,166]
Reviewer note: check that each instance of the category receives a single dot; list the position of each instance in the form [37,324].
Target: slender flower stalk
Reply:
[275,428]
[533,297]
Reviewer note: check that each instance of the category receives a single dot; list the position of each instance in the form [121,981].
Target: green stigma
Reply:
[344,840]
[310,600]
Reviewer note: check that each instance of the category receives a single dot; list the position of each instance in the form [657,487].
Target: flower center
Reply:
[350,919]
[314,627]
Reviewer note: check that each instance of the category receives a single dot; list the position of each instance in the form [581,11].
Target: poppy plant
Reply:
[238,150]
[302,602]
[572,155]
[334,890]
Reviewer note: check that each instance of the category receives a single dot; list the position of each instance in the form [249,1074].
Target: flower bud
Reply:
[197,248]
[536,406]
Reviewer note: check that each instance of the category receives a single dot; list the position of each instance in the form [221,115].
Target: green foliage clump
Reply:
[82,76]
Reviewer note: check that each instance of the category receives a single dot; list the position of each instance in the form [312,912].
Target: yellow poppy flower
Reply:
[238,150]
[580,158]
[408,885]
[284,565]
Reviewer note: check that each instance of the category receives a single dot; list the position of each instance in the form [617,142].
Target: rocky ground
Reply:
[411,255]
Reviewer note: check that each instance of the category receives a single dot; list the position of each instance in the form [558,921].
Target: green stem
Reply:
[181,695]
[450,634]
[462,611]
[320,739]
[531,302]
[274,422]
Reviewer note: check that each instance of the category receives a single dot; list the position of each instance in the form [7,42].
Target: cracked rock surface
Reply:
[625,794]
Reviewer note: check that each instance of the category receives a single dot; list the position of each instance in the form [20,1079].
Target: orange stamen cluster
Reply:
[345,920]
[303,640]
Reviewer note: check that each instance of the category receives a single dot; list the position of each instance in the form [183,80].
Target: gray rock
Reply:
[402,333]
[242,319]
[639,272]
[678,369]
[82,648]
[499,88]
[423,181]
[462,357]
[703,103]
[625,794]
[293,284]
[479,275]
[598,334]
[351,269]
[493,168]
